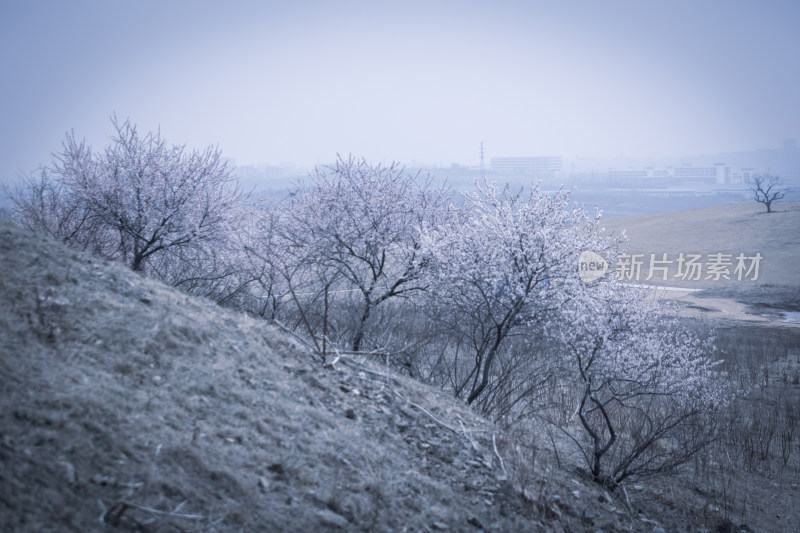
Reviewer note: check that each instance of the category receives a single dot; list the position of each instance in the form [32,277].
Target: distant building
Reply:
[535,167]
[687,174]
[745,175]
[719,174]
[647,177]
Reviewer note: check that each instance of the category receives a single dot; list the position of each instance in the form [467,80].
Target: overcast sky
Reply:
[416,82]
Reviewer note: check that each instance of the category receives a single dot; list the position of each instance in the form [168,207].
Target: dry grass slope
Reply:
[127,406]
[729,229]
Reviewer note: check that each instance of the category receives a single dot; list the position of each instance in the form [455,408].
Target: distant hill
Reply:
[128,406]
[729,229]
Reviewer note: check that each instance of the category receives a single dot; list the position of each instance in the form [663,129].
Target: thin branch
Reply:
[497,453]
[171,514]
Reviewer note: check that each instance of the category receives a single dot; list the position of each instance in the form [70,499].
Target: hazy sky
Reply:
[416,82]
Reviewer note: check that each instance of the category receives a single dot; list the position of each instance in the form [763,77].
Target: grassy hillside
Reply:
[731,229]
[127,406]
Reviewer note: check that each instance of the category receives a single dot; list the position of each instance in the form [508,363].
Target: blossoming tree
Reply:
[504,266]
[644,385]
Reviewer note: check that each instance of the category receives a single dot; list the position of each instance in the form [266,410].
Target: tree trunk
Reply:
[359,336]
[138,263]
[487,367]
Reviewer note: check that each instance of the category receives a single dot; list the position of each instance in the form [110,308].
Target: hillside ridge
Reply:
[129,406]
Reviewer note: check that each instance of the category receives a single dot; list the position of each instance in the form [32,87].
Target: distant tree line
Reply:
[478,294]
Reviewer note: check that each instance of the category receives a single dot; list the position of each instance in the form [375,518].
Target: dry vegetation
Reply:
[128,406]
[751,473]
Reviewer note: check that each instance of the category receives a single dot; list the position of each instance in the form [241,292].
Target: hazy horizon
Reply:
[419,83]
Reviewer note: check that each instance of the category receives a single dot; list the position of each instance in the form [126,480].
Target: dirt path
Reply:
[725,309]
